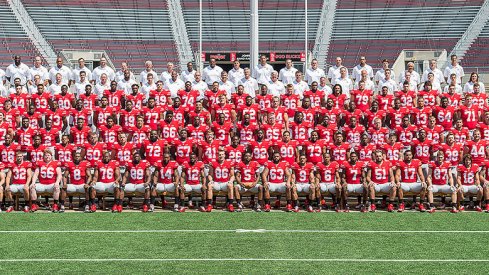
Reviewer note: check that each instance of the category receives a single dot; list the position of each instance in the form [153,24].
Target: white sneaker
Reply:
[151,208]
[87,209]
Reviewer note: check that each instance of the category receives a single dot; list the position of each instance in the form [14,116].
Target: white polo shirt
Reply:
[188,76]
[287,76]
[457,70]
[300,87]
[235,75]
[100,88]
[126,86]
[76,73]
[326,89]
[346,85]
[437,73]
[250,86]
[262,73]
[369,85]
[227,86]
[200,86]
[41,71]
[334,72]
[357,71]
[414,76]
[97,73]
[380,75]
[165,76]
[174,86]
[143,77]
[276,88]
[55,89]
[390,84]
[469,87]
[146,88]
[80,87]
[21,71]
[314,75]
[119,75]
[65,72]
[210,75]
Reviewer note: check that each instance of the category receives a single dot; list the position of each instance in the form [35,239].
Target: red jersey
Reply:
[467,174]
[204,115]
[123,153]
[309,114]
[80,136]
[486,165]
[276,171]
[273,132]
[89,101]
[34,119]
[357,113]
[365,152]
[480,100]
[152,116]
[137,172]
[36,153]
[406,135]
[314,150]
[260,151]
[302,172]
[41,101]
[247,132]
[169,131]
[47,171]
[444,116]
[395,116]
[484,129]
[153,151]
[239,101]
[128,118]
[378,136]
[64,101]
[65,153]
[213,97]
[198,133]
[19,172]
[183,149]
[362,99]
[385,102]
[166,171]
[78,172]
[109,135]
[291,102]
[83,113]
[353,134]
[188,98]
[139,135]
[137,100]
[380,172]
[20,101]
[409,171]
[265,101]
[301,131]
[477,150]
[8,152]
[434,134]
[333,114]
[193,172]
[103,114]
[253,110]
[439,172]
[316,97]
[115,98]
[49,136]
[454,100]
[161,98]
[222,131]
[338,152]
[226,110]
[326,133]
[25,136]
[278,113]
[210,150]
[222,171]
[248,171]
[106,171]
[421,116]
[93,152]
[4,129]
[461,135]
[407,98]
[452,153]
[328,172]
[353,172]
[422,149]
[470,116]
[338,100]
[287,150]
[429,97]
[235,155]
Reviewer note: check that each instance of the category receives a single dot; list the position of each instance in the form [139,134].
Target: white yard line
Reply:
[251,231]
[242,259]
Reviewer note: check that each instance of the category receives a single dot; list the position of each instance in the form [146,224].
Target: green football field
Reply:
[245,243]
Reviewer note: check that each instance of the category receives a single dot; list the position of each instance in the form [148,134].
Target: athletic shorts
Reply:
[328,187]
[411,187]
[75,188]
[470,189]
[17,188]
[442,189]
[220,186]
[193,188]
[303,187]
[277,188]
[383,188]
[134,188]
[355,188]
[253,190]
[104,187]
[44,188]
[165,187]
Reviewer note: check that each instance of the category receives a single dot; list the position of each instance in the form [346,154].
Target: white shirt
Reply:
[227,86]
[458,89]
[143,77]
[119,75]
[314,75]
[413,86]
[97,73]
[437,73]
[262,73]
[76,73]
[346,85]
[55,88]
[188,76]
[334,72]
[326,89]
[414,76]
[469,87]
[65,72]
[210,75]
[2,76]
[380,75]
[287,76]
[457,70]
[200,86]
[250,86]
[390,84]
[357,71]
[174,86]
[21,71]
[300,87]
[80,87]
[434,86]
[12,91]
[100,88]
[235,75]
[3,91]
[276,88]
[146,88]
[126,86]
[369,85]
[165,76]
[41,71]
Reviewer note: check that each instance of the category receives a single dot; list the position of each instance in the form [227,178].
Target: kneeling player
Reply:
[167,179]
[277,181]
[248,176]
[329,180]
[353,181]
[17,181]
[194,181]
[410,179]
[468,182]
[80,178]
[106,180]
[440,181]
[380,179]
[137,179]
[221,177]
[49,173]
[304,180]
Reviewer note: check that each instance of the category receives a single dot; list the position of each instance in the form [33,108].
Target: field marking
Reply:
[248,231]
[242,259]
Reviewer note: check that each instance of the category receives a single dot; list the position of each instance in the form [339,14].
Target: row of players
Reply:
[340,179]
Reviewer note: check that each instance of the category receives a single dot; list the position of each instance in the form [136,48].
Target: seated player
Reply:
[221,177]
[17,181]
[49,174]
[277,181]
[380,179]
[106,179]
[440,181]
[77,179]
[468,182]
[304,180]
[137,179]
[409,179]
[167,180]
[194,181]
[248,178]
[328,181]
[353,181]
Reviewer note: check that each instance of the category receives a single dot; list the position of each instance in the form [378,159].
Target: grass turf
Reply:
[273,245]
